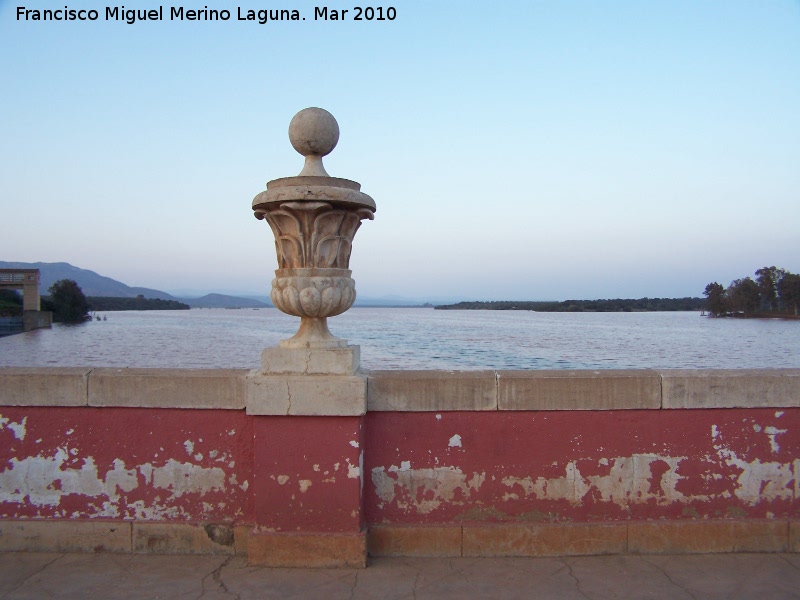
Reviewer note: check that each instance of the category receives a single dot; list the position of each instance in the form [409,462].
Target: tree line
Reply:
[69,305]
[614,305]
[107,303]
[773,292]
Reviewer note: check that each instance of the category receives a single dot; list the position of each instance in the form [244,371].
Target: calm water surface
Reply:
[418,338]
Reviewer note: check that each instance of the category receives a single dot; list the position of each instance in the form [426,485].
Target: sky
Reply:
[516,150]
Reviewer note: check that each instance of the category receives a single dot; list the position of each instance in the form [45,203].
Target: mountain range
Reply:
[94,284]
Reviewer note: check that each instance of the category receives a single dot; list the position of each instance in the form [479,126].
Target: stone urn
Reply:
[314,218]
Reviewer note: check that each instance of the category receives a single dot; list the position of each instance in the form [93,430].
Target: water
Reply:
[418,338]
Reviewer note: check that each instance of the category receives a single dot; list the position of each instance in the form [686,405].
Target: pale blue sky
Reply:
[516,150]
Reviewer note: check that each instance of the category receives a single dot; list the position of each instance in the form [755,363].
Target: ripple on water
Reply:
[417,338]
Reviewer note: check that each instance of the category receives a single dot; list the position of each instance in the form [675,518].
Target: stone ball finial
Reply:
[314,133]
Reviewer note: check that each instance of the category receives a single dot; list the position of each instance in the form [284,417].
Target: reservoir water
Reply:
[418,338]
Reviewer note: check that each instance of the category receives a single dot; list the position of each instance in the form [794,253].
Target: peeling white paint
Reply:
[424,489]
[42,481]
[353,471]
[455,442]
[772,432]
[189,446]
[282,479]
[761,481]
[184,478]
[18,429]
[404,466]
[438,417]
[354,443]
[778,414]
[629,481]
[714,431]
[360,471]
[304,485]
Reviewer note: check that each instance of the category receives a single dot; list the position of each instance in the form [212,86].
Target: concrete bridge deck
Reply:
[109,576]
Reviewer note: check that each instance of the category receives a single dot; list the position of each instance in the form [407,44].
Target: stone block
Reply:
[387,540]
[182,538]
[305,361]
[794,536]
[65,536]
[695,537]
[579,390]
[309,395]
[168,388]
[425,391]
[546,539]
[308,550]
[734,388]
[47,386]
[241,538]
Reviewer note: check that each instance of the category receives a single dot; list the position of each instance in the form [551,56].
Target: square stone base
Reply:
[309,361]
[309,395]
[308,550]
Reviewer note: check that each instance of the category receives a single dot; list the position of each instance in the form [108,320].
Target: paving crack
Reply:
[216,581]
[34,574]
[354,587]
[575,579]
[788,562]
[672,581]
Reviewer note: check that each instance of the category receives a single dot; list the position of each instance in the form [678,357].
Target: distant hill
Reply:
[90,282]
[93,284]
[223,301]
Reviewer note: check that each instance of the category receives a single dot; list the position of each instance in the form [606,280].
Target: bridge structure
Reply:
[27,280]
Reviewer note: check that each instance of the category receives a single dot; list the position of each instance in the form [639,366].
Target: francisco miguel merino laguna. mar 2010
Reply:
[180,13]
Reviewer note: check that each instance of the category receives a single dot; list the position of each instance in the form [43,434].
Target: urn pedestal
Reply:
[313,295]
[314,218]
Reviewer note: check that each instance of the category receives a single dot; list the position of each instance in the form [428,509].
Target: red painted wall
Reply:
[122,463]
[581,465]
[298,474]
[308,474]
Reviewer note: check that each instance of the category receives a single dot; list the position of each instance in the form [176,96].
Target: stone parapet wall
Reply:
[416,391]
[444,463]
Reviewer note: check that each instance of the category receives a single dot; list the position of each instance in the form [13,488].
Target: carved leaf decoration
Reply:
[326,238]
[343,259]
[288,239]
[313,234]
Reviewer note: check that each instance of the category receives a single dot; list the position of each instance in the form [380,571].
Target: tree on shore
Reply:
[67,302]
[767,279]
[789,291]
[716,299]
[773,292]
[744,295]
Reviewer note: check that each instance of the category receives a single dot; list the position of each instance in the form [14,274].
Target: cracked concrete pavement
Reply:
[114,576]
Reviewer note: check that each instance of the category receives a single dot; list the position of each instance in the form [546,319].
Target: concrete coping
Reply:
[136,388]
[411,391]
